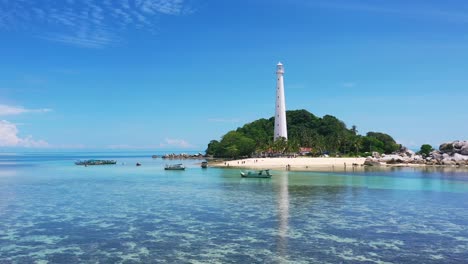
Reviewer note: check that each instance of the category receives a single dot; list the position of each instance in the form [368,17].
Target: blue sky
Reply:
[174,74]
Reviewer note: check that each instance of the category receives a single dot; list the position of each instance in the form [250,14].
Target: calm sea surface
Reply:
[52,211]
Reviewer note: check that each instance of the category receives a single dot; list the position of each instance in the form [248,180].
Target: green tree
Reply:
[426,149]
[261,131]
[292,146]
[280,145]
[231,151]
[371,144]
[234,145]
[246,146]
[324,135]
[356,144]
[389,144]
[213,148]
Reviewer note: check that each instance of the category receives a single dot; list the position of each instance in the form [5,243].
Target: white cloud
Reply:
[84,40]
[17,110]
[168,7]
[90,23]
[9,137]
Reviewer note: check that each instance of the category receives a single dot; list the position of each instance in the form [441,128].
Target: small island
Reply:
[308,135]
[183,156]
[326,143]
[93,162]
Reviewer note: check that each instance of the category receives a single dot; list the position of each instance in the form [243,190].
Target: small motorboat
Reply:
[174,167]
[256,174]
[204,164]
[138,164]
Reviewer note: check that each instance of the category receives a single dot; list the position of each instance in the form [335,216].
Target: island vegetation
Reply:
[323,135]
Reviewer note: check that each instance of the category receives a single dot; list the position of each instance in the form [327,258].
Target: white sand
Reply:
[299,163]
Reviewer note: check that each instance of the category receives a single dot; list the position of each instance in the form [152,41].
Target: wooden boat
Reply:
[174,167]
[204,164]
[256,174]
[95,162]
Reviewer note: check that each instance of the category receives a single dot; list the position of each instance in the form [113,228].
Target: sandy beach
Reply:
[299,163]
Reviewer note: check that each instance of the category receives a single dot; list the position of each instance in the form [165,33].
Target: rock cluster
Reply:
[183,156]
[449,154]
[454,153]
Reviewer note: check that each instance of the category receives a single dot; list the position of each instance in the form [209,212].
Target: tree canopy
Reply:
[426,149]
[324,135]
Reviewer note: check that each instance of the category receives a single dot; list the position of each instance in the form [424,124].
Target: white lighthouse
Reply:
[280,115]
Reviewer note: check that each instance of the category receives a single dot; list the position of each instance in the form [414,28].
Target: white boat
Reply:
[174,167]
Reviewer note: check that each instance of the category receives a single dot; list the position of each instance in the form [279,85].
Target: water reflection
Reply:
[283,213]
[425,171]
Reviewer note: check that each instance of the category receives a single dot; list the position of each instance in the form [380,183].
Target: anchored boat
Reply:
[256,174]
[174,167]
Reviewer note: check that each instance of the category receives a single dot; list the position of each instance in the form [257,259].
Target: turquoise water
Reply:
[52,211]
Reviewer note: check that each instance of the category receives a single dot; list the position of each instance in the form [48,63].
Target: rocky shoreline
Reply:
[449,154]
[183,156]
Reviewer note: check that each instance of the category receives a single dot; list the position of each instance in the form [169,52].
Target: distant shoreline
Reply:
[292,163]
[312,164]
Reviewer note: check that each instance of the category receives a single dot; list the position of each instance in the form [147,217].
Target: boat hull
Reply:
[260,174]
[253,176]
[175,167]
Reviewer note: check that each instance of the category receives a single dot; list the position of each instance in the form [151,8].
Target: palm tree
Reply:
[280,145]
[292,146]
[357,143]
